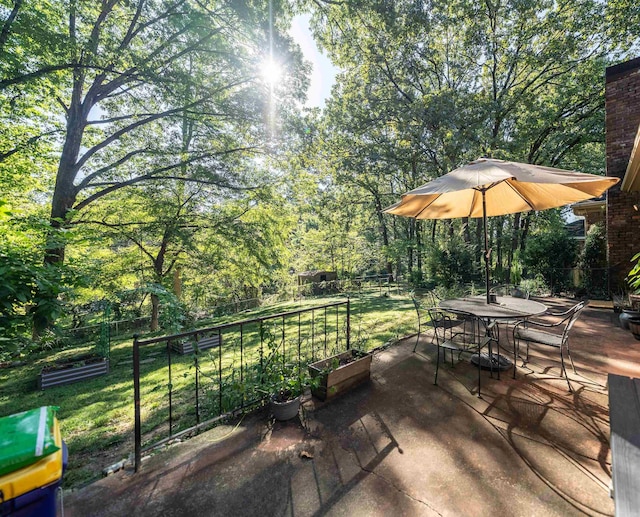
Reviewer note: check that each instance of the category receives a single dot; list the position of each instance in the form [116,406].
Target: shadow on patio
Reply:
[400,445]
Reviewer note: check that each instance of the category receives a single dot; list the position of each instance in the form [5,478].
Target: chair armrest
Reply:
[526,323]
[549,313]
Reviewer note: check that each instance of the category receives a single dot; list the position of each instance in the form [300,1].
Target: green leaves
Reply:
[634,275]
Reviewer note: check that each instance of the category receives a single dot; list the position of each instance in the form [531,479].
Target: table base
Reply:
[490,362]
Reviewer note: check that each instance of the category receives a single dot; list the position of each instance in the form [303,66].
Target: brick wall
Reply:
[622,107]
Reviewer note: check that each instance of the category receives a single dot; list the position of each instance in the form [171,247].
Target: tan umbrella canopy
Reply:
[488,187]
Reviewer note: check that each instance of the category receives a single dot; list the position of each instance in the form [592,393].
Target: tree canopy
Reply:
[143,150]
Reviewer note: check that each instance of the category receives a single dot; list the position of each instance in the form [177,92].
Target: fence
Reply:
[222,374]
[115,327]
[225,306]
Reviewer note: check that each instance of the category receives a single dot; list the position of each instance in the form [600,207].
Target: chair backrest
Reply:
[439,319]
[446,324]
[572,317]
[510,290]
[418,306]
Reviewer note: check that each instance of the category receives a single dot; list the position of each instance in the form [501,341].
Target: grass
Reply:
[96,416]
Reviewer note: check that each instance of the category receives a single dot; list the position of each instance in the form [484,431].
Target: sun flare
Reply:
[271,71]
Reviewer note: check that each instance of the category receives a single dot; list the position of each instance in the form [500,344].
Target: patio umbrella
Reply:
[488,187]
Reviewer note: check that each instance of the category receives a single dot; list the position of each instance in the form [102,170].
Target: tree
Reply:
[593,261]
[426,87]
[142,92]
[126,76]
[551,252]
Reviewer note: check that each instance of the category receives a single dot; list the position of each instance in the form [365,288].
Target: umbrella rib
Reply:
[425,207]
[473,202]
[520,195]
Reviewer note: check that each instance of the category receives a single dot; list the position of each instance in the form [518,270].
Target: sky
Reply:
[324,73]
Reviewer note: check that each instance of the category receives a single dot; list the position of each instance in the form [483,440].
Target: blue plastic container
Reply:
[40,502]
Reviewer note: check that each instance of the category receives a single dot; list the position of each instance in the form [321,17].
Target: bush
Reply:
[552,255]
[451,263]
[593,261]
[31,297]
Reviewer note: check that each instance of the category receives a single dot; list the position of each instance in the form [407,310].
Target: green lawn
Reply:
[96,416]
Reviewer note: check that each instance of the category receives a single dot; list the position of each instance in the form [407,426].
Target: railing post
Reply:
[262,350]
[136,402]
[241,360]
[348,323]
[299,334]
[220,397]
[170,388]
[196,351]
[313,329]
[325,332]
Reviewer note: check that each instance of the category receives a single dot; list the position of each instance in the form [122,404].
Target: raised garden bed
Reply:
[74,370]
[186,347]
[340,373]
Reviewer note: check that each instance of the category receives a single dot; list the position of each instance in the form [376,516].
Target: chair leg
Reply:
[515,358]
[497,339]
[435,380]
[564,370]
[417,339]
[516,347]
[479,369]
[571,358]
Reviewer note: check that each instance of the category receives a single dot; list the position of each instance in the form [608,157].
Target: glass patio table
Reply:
[504,308]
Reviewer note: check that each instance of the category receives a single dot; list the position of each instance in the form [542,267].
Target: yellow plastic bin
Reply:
[32,490]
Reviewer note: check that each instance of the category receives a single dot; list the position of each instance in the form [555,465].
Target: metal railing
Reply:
[219,373]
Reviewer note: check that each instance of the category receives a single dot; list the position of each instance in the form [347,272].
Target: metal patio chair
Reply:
[510,290]
[530,332]
[468,336]
[516,292]
[424,321]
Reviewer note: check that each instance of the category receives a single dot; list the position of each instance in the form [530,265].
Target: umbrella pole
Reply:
[486,242]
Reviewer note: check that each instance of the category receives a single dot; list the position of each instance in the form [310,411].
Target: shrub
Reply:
[551,254]
[593,261]
[451,263]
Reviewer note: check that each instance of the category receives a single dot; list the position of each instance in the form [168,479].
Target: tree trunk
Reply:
[383,231]
[418,248]
[410,247]
[525,231]
[155,309]
[467,232]
[500,221]
[65,191]
[479,245]
[514,244]
[177,282]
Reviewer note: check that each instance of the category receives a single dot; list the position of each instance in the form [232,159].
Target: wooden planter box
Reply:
[336,381]
[78,370]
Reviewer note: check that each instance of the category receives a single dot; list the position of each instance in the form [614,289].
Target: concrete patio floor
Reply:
[400,445]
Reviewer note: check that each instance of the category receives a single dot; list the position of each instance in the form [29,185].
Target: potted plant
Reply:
[634,282]
[284,382]
[339,373]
